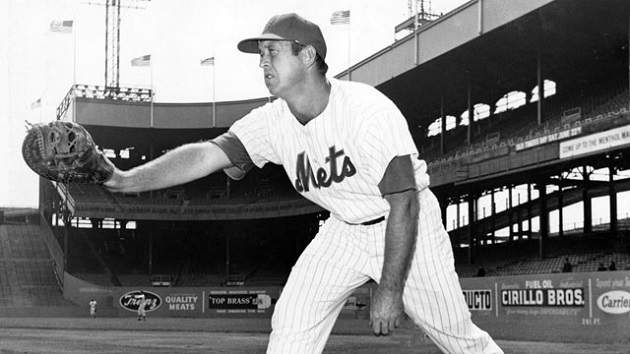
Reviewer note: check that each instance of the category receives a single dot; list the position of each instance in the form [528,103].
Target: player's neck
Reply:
[311,101]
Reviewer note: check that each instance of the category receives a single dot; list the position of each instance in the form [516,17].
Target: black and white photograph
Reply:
[288,177]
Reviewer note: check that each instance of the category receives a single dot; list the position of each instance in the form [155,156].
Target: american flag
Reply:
[61,26]
[144,60]
[340,17]
[207,61]
[37,103]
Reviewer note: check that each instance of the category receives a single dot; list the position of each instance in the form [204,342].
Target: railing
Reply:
[132,94]
[65,104]
[554,130]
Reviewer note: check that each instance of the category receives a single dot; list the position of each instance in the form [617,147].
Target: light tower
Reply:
[423,9]
[420,13]
[112,39]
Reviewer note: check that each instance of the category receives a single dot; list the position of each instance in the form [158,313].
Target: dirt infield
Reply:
[169,335]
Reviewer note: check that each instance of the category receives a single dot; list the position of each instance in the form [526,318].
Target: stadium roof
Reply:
[579,42]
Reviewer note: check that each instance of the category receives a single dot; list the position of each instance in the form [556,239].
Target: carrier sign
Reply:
[615,302]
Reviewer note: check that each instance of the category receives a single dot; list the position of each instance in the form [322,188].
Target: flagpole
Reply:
[205,62]
[74,52]
[214,106]
[415,32]
[343,18]
[349,42]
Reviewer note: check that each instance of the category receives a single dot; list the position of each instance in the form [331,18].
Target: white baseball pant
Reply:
[342,257]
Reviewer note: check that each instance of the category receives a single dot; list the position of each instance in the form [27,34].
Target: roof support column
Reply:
[509,211]
[443,128]
[541,85]
[544,218]
[612,194]
[519,217]
[472,212]
[493,212]
[529,211]
[470,115]
[480,17]
[560,207]
[588,212]
[457,223]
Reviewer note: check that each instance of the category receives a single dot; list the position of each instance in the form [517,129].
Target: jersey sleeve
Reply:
[236,153]
[383,136]
[254,133]
[398,176]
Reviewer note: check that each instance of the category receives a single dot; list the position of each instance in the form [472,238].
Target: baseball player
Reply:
[346,147]
[92,305]
[142,304]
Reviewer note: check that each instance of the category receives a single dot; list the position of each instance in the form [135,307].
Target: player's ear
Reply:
[308,55]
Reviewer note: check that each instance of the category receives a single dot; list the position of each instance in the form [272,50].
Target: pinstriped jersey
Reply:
[338,158]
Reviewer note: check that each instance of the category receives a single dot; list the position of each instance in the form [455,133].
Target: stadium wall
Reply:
[196,302]
[164,115]
[54,248]
[564,307]
[582,307]
[80,292]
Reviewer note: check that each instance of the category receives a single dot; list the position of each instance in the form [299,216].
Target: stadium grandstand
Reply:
[522,114]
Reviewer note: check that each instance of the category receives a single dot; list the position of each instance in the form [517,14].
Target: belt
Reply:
[373,222]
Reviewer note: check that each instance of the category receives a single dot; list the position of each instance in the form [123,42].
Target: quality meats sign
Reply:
[131,300]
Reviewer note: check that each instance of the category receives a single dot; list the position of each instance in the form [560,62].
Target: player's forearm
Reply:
[400,237]
[180,165]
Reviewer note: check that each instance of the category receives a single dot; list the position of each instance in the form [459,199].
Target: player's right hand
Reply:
[386,311]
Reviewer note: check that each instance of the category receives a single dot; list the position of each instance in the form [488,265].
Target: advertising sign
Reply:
[590,307]
[478,300]
[131,300]
[545,139]
[595,142]
[184,301]
[543,297]
[238,301]
[615,302]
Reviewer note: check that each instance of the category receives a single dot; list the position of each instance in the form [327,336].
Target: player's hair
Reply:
[322,67]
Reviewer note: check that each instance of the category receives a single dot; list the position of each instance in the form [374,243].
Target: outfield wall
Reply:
[583,307]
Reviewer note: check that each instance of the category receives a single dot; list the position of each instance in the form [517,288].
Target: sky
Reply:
[36,63]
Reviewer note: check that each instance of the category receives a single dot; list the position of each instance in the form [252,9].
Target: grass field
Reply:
[170,335]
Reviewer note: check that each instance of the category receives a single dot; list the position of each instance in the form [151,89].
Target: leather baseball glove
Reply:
[65,152]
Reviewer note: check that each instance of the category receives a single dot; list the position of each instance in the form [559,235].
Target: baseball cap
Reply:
[288,27]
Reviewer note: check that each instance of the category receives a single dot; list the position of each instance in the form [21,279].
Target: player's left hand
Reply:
[386,311]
